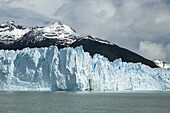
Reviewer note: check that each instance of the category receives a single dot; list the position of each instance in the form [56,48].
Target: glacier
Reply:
[72,69]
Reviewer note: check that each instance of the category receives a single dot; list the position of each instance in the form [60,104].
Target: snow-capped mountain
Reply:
[161,64]
[13,33]
[10,32]
[13,37]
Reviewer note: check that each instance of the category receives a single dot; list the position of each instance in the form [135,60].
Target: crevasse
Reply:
[50,69]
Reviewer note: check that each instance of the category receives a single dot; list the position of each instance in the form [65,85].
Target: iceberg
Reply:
[72,69]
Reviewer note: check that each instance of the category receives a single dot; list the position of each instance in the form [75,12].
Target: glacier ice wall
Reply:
[73,69]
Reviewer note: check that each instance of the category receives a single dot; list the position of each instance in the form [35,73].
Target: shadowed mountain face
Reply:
[62,36]
[112,52]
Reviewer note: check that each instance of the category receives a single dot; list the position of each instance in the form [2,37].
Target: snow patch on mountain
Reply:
[10,32]
[162,64]
[73,69]
[93,38]
[57,30]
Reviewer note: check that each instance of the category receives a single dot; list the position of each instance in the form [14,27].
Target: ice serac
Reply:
[49,69]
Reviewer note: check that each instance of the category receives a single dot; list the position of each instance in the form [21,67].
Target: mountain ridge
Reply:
[61,35]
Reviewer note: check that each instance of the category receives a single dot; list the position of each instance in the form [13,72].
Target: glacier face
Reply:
[46,69]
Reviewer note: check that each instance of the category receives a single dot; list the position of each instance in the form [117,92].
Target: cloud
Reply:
[128,23]
[87,16]
[168,52]
[153,50]
[23,17]
[43,7]
[124,22]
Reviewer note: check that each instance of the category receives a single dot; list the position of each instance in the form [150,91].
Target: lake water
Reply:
[84,102]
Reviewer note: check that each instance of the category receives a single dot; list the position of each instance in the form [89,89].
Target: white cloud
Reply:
[152,50]
[23,17]
[124,22]
[168,52]
[162,23]
[117,21]
[43,7]
[87,16]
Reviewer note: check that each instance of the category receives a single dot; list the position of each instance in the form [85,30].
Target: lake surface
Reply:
[84,102]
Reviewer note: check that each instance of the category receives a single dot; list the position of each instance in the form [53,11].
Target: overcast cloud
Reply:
[142,26]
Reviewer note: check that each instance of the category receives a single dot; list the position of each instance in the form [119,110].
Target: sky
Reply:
[142,26]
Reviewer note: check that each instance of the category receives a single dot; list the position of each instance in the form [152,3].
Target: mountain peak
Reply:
[56,23]
[11,22]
